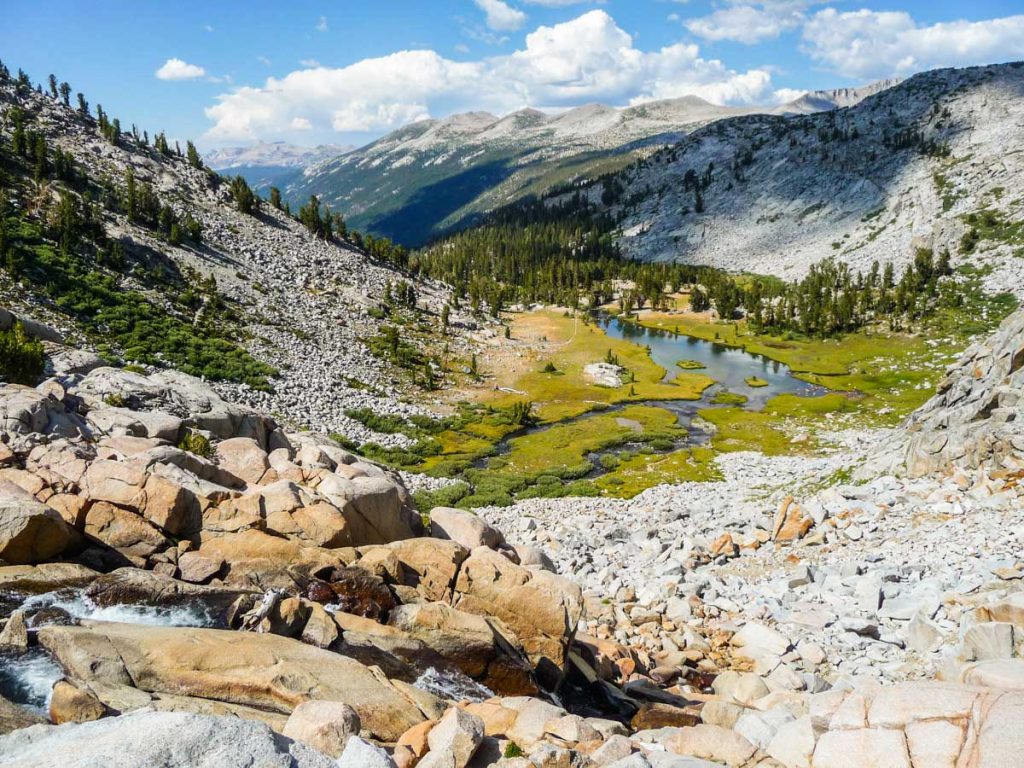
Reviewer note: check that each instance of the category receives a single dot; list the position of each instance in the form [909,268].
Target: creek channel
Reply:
[731,368]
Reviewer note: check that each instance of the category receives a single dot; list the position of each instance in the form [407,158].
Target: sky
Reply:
[227,73]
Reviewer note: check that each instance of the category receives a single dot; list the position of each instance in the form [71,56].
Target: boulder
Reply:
[136,586]
[790,522]
[30,532]
[168,739]
[430,565]
[109,420]
[256,559]
[360,753]
[14,637]
[1001,674]
[244,458]
[318,525]
[323,725]
[69,704]
[464,528]
[454,740]
[468,642]
[264,671]
[353,590]
[187,397]
[124,531]
[540,607]
[197,568]
[862,748]
[24,410]
[711,742]
[374,507]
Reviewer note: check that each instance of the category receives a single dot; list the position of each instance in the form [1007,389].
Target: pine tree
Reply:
[83,105]
[65,94]
[193,155]
[53,87]
[275,197]
[245,200]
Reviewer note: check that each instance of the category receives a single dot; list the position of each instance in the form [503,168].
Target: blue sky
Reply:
[227,73]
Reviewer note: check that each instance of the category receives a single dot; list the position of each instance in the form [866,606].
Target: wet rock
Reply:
[69,704]
[14,637]
[353,590]
[263,671]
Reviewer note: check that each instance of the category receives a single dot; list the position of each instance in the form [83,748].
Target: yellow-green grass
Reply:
[564,447]
[690,365]
[770,430]
[571,346]
[725,397]
[754,381]
[645,470]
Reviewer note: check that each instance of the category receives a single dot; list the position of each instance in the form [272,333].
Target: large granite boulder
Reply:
[168,739]
[976,418]
[30,532]
[262,671]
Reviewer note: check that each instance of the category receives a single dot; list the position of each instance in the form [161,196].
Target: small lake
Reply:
[726,365]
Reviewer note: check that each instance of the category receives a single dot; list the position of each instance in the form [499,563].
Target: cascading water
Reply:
[28,679]
[76,604]
[452,685]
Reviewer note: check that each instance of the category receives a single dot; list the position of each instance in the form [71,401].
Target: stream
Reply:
[728,366]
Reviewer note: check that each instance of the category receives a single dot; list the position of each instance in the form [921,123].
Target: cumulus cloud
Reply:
[589,58]
[751,22]
[300,124]
[321,24]
[746,23]
[501,16]
[868,43]
[176,69]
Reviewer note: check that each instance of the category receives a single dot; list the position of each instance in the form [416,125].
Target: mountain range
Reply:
[436,175]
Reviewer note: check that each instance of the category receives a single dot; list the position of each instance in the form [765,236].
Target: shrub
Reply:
[197,443]
[21,357]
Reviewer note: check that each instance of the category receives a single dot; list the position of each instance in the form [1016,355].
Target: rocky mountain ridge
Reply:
[305,306]
[275,154]
[905,168]
[434,174]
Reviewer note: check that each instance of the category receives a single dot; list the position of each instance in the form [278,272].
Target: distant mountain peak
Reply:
[277,154]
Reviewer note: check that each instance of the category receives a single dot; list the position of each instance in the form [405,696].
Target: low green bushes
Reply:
[21,357]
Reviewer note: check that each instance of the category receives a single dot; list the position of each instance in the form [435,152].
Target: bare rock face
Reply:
[976,418]
[540,607]
[324,725]
[264,671]
[169,739]
[30,532]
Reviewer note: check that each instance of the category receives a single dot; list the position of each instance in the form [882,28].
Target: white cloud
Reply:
[751,21]
[562,3]
[263,60]
[586,59]
[300,124]
[321,25]
[176,69]
[747,23]
[786,95]
[461,48]
[309,63]
[500,15]
[883,44]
